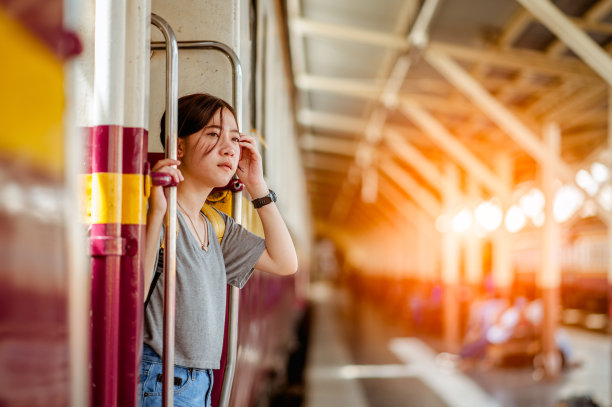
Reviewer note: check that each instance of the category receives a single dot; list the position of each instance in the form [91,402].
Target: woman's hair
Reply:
[194,112]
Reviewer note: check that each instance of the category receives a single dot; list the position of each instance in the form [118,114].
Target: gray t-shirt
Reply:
[201,280]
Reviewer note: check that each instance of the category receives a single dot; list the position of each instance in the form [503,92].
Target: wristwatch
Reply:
[263,201]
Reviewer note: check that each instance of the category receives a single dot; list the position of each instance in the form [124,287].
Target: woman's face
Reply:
[212,154]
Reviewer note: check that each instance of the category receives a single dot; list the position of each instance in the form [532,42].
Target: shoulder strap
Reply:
[215,219]
[218,225]
[160,262]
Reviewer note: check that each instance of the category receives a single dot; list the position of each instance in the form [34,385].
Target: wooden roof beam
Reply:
[331,145]
[397,198]
[306,27]
[520,59]
[520,133]
[425,199]
[448,143]
[572,36]
[349,87]
[345,124]
[316,161]
[413,157]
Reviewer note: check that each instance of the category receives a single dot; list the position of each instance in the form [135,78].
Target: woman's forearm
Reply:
[154,223]
[280,256]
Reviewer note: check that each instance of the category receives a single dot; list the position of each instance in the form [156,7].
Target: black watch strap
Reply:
[263,201]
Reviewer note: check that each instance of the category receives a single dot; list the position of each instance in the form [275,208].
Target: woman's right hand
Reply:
[157,201]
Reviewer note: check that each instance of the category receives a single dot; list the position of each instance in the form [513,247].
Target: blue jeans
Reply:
[192,387]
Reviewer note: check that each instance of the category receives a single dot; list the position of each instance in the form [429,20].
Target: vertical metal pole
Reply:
[171,227]
[502,262]
[473,246]
[234,292]
[610,227]
[450,262]
[550,269]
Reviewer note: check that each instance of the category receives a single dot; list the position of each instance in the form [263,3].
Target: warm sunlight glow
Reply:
[462,221]
[532,203]
[567,201]
[443,223]
[489,216]
[515,219]
[600,172]
[587,182]
[605,197]
[539,219]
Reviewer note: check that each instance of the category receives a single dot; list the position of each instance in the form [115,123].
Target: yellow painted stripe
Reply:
[32,102]
[115,198]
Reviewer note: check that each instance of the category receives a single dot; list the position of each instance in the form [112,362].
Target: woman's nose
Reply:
[227,146]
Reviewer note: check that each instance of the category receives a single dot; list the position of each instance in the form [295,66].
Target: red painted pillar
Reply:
[131,279]
[118,213]
[106,248]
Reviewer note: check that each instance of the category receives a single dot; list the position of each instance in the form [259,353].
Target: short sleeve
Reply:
[241,250]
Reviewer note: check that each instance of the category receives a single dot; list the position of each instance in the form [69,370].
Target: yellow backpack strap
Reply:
[216,220]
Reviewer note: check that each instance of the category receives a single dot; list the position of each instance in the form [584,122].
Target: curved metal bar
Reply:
[171,226]
[230,54]
[234,303]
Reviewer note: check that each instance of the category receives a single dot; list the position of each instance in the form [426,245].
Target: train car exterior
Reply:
[75,185]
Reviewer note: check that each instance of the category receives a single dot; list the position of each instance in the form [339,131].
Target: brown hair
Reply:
[194,112]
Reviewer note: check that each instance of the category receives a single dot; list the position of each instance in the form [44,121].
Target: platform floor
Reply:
[359,357]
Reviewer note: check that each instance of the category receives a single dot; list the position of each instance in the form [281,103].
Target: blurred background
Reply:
[443,166]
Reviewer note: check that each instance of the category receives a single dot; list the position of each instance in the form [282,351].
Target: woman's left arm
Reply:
[279,257]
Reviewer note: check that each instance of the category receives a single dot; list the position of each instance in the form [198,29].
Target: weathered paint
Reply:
[117,212]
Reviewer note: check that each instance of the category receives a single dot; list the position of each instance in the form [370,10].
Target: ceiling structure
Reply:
[388,92]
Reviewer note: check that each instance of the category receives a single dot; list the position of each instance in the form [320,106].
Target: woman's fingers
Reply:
[246,137]
[165,166]
[248,142]
[164,163]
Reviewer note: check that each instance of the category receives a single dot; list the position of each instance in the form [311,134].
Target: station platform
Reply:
[359,357]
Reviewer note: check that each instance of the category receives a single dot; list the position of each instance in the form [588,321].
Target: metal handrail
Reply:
[171,226]
[234,298]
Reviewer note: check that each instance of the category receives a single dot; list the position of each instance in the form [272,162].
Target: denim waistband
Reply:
[150,355]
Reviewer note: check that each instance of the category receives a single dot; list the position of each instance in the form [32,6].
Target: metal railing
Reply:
[234,298]
[171,226]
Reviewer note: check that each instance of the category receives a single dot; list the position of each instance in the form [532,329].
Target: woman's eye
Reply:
[213,134]
[236,139]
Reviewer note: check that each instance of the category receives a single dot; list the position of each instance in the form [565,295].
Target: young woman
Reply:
[210,150]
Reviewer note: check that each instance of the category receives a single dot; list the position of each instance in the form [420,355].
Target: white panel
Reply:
[109,71]
[136,64]
[199,70]
[82,66]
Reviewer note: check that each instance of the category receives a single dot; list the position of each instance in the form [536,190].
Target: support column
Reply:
[423,245]
[609,227]
[106,242]
[450,263]
[473,247]
[502,260]
[550,269]
[135,143]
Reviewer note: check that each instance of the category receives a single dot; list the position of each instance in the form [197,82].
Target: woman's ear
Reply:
[180,148]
